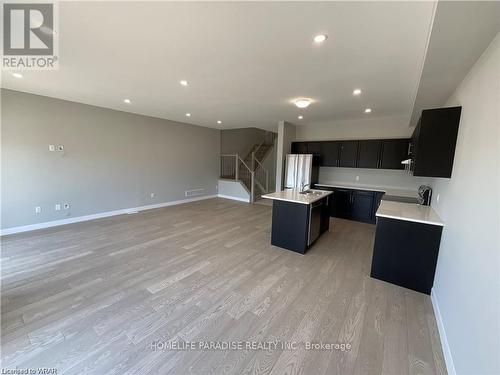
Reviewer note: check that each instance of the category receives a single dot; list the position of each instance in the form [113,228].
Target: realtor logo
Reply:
[29,36]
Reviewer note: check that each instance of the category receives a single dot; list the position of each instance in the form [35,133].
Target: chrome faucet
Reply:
[304,186]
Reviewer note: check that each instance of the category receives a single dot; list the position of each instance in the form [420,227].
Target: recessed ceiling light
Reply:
[127,101]
[219,122]
[368,110]
[188,114]
[320,38]
[300,117]
[356,92]
[302,102]
[183,82]
[17,75]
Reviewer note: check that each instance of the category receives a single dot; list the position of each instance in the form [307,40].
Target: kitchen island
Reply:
[299,218]
[406,245]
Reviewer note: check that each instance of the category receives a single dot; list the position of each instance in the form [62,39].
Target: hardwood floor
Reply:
[94,297]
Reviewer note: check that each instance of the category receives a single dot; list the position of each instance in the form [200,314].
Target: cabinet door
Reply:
[299,147]
[330,153]
[348,154]
[377,197]
[325,214]
[362,206]
[394,151]
[314,148]
[436,141]
[342,199]
[368,154]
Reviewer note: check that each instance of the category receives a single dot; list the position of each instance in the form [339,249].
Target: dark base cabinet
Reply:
[351,204]
[291,224]
[405,253]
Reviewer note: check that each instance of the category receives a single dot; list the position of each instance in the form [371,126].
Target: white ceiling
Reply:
[453,49]
[244,61]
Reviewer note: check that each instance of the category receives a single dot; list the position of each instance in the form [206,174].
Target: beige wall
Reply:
[286,134]
[112,160]
[368,127]
[467,283]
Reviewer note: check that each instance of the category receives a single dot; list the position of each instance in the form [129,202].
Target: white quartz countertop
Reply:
[384,189]
[409,212]
[294,196]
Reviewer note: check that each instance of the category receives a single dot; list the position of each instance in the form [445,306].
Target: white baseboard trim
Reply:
[77,219]
[450,366]
[247,200]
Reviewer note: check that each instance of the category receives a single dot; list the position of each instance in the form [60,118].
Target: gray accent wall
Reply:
[111,160]
[240,141]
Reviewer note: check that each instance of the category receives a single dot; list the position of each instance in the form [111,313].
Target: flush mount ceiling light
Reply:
[368,110]
[302,102]
[356,92]
[300,117]
[183,82]
[320,38]
[219,122]
[127,101]
[188,114]
[17,75]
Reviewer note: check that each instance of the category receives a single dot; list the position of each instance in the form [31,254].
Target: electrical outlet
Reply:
[38,210]
[52,148]
[66,206]
[357,178]
[152,195]
[57,207]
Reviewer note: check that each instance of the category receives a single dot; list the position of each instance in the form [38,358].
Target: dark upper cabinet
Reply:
[362,206]
[393,152]
[314,148]
[369,153]
[348,154]
[306,148]
[434,141]
[299,147]
[330,153]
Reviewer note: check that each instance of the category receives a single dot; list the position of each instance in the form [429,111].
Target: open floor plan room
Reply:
[250,187]
[97,298]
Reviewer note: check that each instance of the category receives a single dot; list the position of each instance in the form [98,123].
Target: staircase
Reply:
[253,160]
[249,170]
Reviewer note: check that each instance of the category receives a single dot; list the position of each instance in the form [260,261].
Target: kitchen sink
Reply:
[311,192]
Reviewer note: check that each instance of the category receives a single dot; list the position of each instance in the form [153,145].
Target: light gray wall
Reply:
[467,284]
[233,190]
[112,160]
[240,141]
[286,134]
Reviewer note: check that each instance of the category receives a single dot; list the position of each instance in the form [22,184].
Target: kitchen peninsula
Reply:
[299,218]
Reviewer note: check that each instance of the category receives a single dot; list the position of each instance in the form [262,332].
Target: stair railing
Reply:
[230,169]
[261,175]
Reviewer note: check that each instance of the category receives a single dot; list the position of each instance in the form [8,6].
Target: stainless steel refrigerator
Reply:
[301,170]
